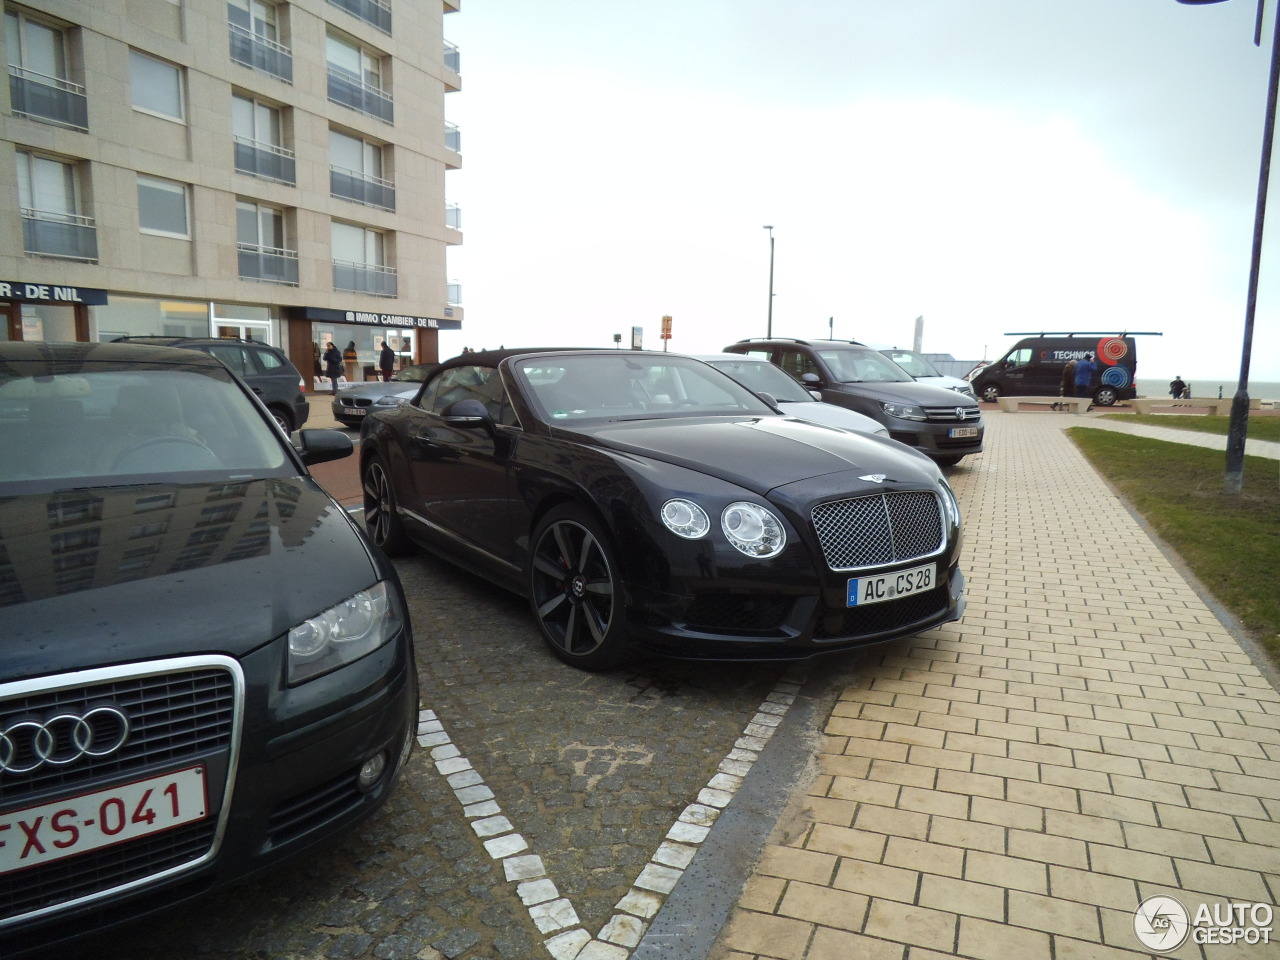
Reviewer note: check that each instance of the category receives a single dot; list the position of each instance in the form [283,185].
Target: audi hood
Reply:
[98,576]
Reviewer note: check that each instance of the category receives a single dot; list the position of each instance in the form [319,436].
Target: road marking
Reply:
[553,915]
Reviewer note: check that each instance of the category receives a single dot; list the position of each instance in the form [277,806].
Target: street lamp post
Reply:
[1238,427]
[768,332]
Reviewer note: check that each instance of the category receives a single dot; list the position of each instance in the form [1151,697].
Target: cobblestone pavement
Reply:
[1015,785]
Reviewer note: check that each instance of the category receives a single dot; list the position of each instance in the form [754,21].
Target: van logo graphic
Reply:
[874,477]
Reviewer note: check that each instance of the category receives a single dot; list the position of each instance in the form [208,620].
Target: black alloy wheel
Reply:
[380,517]
[575,592]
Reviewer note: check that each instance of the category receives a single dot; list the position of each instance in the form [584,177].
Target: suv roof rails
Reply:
[1085,333]
[806,343]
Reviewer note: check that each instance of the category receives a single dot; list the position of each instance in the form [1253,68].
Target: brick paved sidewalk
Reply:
[1012,786]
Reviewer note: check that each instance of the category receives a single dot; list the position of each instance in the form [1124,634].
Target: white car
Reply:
[760,376]
[925,372]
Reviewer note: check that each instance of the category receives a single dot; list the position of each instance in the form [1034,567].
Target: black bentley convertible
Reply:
[648,500]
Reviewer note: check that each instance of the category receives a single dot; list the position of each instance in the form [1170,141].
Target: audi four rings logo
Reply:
[27,745]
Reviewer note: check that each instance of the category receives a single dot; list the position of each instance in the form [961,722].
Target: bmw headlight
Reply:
[753,530]
[685,519]
[342,634]
[904,411]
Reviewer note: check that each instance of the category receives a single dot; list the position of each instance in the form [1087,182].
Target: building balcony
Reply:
[368,278]
[362,188]
[67,235]
[49,99]
[265,160]
[453,216]
[452,58]
[453,294]
[348,90]
[267,264]
[370,11]
[259,53]
[453,137]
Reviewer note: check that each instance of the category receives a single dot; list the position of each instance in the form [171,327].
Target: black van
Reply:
[1033,368]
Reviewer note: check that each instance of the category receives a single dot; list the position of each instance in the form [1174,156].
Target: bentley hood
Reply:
[760,453]
[95,577]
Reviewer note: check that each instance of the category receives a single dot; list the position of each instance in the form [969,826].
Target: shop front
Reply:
[36,310]
[359,336]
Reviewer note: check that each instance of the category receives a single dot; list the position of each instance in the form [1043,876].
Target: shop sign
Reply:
[50,293]
[391,320]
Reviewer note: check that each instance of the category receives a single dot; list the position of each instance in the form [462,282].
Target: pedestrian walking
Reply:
[1066,385]
[333,364]
[1084,374]
[387,361]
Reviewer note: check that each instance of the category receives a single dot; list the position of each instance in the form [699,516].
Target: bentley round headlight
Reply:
[685,519]
[753,530]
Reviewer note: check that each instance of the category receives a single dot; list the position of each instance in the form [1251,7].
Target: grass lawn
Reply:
[1260,427]
[1232,544]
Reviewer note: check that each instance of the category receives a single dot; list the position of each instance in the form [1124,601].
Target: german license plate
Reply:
[74,825]
[957,432]
[354,411]
[890,586]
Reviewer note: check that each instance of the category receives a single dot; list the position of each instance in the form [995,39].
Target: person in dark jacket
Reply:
[387,361]
[1086,369]
[333,364]
[1177,388]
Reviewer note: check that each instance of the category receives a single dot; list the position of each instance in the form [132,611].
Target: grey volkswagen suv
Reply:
[940,423]
[264,369]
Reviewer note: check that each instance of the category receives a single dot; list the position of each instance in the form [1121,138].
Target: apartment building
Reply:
[236,168]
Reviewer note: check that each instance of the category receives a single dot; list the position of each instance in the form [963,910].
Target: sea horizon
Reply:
[1259,389]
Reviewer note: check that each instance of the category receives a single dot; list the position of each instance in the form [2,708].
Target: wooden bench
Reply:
[1077,404]
[1169,405]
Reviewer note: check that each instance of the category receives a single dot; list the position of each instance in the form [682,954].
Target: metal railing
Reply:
[365,278]
[265,160]
[348,90]
[362,188]
[453,216]
[52,234]
[267,264]
[453,137]
[370,11]
[259,53]
[452,58]
[51,99]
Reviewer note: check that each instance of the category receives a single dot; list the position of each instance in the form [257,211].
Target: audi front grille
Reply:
[60,736]
[880,529]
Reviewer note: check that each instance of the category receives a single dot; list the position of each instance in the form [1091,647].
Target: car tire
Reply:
[283,419]
[381,520]
[575,590]
[950,461]
[1106,396]
[990,393]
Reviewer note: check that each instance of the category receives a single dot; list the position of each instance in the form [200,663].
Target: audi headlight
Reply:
[753,530]
[904,411]
[685,519]
[342,634]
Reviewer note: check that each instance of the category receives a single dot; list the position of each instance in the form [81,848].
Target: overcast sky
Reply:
[990,165]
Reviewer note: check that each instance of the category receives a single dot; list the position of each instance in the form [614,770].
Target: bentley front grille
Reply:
[879,530]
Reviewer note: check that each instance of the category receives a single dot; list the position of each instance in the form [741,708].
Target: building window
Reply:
[49,196]
[360,262]
[375,12]
[356,171]
[355,78]
[156,86]
[256,38]
[39,79]
[163,207]
[262,244]
[258,133]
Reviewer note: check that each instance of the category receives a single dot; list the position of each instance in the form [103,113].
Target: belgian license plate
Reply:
[889,586]
[354,411]
[74,825]
[956,432]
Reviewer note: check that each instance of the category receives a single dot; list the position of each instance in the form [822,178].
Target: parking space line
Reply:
[554,915]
